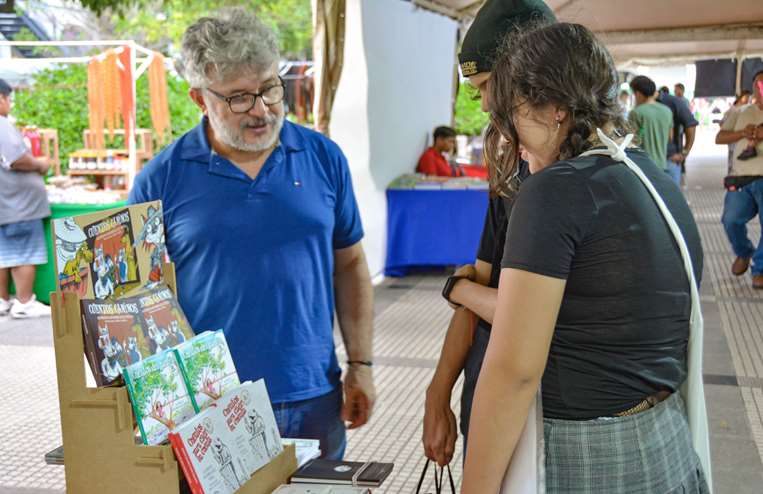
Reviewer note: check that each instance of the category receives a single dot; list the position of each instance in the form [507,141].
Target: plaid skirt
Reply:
[646,453]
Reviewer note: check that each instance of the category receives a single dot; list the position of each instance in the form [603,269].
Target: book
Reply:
[208,366]
[205,454]
[250,425]
[121,332]
[160,396]
[357,474]
[319,489]
[110,253]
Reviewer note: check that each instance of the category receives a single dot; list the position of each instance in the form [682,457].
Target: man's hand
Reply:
[749,132]
[359,395]
[677,157]
[758,134]
[467,270]
[440,431]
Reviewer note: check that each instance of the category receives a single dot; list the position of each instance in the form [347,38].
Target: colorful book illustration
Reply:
[251,425]
[208,366]
[160,396]
[164,320]
[125,331]
[110,253]
[206,456]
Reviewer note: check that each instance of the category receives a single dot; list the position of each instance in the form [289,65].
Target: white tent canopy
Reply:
[652,32]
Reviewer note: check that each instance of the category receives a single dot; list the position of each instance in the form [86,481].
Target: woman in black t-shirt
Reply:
[593,298]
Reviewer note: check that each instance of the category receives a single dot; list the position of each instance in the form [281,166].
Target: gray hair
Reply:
[233,41]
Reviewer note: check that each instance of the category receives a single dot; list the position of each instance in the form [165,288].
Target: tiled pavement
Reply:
[410,323]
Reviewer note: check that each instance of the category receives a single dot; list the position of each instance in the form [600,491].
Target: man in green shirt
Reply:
[653,122]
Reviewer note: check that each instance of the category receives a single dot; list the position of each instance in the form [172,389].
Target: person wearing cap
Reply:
[265,233]
[472,289]
[23,205]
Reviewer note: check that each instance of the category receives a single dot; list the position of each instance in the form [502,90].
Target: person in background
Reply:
[678,91]
[742,99]
[265,233]
[472,290]
[653,124]
[625,102]
[745,201]
[684,129]
[23,205]
[434,161]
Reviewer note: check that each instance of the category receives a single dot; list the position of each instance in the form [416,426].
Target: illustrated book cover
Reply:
[109,253]
[121,332]
[160,396]
[208,366]
[203,449]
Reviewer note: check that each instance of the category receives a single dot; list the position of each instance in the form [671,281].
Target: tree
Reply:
[160,24]
[470,119]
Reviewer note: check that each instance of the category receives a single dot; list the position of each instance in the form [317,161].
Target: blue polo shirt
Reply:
[256,257]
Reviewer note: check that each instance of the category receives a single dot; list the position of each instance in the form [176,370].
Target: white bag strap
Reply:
[693,389]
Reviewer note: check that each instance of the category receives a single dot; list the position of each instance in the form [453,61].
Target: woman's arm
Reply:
[527,308]
[476,297]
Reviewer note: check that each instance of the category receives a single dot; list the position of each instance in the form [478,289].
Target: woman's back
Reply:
[623,325]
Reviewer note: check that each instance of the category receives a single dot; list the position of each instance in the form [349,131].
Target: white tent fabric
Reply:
[653,32]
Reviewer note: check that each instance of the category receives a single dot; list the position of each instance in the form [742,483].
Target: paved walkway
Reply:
[410,323]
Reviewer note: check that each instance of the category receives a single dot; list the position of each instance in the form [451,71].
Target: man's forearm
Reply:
[477,298]
[729,136]
[690,134]
[354,307]
[28,163]
[455,349]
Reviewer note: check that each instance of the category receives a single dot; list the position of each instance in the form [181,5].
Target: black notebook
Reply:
[370,474]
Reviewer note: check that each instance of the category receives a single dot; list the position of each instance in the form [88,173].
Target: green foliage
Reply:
[470,119]
[58,99]
[160,24]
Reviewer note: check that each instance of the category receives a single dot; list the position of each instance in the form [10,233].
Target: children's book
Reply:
[160,396]
[164,322]
[203,449]
[110,253]
[121,332]
[251,425]
[208,366]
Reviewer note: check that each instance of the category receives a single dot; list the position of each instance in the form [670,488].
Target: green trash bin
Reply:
[45,281]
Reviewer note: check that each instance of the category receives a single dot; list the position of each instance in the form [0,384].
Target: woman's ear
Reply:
[561,114]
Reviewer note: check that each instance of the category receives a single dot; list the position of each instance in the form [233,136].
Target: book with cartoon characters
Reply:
[160,396]
[121,332]
[251,425]
[203,449]
[208,366]
[110,253]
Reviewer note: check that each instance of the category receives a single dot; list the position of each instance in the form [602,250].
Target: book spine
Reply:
[135,408]
[181,454]
[186,381]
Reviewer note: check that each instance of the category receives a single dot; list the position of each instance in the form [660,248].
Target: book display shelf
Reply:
[98,425]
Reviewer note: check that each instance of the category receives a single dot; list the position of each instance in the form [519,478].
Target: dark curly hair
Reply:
[559,64]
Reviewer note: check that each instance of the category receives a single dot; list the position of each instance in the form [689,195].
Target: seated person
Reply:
[432,162]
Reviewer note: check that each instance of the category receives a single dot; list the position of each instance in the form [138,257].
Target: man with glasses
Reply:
[263,228]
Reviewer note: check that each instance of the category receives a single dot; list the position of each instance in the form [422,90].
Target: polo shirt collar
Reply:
[196,144]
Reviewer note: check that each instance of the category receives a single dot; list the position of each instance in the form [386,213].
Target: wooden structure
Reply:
[98,426]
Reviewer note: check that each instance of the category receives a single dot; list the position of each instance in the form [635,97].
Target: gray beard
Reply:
[236,139]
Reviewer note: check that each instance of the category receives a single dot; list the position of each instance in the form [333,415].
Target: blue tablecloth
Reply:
[433,228]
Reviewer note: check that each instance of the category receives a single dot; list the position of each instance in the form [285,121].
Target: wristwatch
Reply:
[449,284]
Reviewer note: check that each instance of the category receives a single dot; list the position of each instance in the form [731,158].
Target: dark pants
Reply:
[316,418]
[471,373]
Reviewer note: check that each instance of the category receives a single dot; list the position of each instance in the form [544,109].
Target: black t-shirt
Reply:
[493,239]
[682,120]
[623,327]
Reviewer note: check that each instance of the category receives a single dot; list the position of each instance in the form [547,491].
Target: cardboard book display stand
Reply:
[97,425]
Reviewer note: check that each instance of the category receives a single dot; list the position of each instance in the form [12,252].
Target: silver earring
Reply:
[558,125]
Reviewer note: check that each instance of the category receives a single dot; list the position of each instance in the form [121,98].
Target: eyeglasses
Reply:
[243,102]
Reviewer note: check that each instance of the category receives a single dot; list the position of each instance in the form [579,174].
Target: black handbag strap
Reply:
[438,479]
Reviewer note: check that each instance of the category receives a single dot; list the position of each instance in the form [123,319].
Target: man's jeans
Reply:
[674,170]
[739,208]
[316,418]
